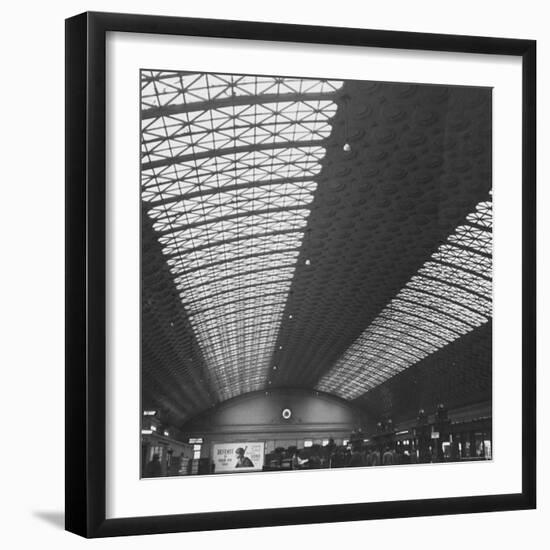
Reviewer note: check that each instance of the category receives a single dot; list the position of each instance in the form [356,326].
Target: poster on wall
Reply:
[235,457]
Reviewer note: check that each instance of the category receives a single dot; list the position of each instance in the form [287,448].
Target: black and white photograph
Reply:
[316,274]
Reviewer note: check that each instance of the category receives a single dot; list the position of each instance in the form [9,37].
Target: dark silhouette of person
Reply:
[357,458]
[314,459]
[388,458]
[297,461]
[339,458]
[153,468]
[331,452]
[242,461]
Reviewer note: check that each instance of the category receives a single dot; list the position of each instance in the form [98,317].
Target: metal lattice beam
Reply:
[170,110]
[169,161]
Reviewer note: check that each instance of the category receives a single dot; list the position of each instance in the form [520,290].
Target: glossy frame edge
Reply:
[85,388]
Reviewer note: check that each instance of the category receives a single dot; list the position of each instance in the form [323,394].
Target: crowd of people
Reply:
[355,454]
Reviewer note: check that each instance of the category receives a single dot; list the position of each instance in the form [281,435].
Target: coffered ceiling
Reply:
[305,233]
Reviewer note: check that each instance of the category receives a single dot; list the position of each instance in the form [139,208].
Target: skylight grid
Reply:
[242,253]
[250,281]
[215,253]
[161,88]
[237,313]
[222,282]
[216,230]
[182,134]
[453,294]
[472,237]
[229,166]
[465,280]
[237,296]
[449,296]
[397,327]
[233,203]
[236,265]
[184,174]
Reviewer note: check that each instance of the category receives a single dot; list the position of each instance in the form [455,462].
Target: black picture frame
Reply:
[86,263]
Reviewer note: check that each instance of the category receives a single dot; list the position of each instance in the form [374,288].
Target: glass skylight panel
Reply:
[465,280]
[446,304]
[238,298]
[452,293]
[239,265]
[227,282]
[228,176]
[209,174]
[205,292]
[449,296]
[211,254]
[262,123]
[398,327]
[215,231]
[239,312]
[401,338]
[176,88]
[472,237]
[483,215]
[423,319]
[233,203]
[464,259]
[235,254]
[186,172]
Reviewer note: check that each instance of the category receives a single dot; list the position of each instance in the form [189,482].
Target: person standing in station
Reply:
[357,459]
[387,457]
[154,468]
[374,458]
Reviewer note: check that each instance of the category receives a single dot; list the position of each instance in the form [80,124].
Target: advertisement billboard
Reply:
[239,456]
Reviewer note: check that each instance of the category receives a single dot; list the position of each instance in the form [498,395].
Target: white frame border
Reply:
[126,494]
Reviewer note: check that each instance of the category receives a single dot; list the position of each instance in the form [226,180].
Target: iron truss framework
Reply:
[228,177]
[448,297]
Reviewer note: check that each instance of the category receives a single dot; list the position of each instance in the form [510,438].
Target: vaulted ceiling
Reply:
[314,234]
